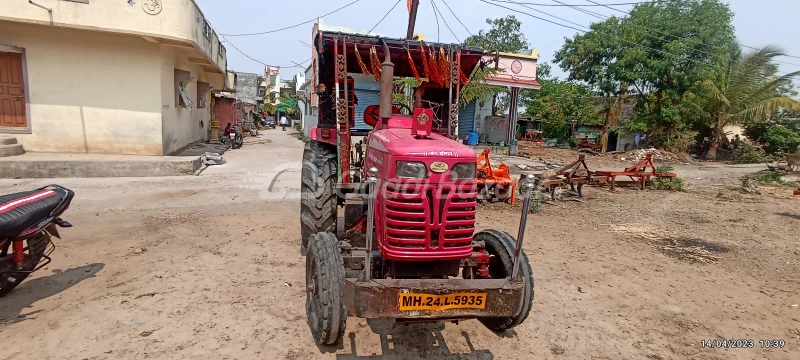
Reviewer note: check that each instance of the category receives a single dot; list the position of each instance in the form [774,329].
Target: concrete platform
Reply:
[34,165]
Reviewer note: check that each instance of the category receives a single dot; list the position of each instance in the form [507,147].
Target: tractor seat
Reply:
[21,210]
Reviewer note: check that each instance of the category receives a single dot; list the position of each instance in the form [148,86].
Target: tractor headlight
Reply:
[462,171]
[411,170]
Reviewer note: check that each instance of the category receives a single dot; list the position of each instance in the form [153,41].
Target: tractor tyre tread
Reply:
[325,251]
[318,199]
[503,245]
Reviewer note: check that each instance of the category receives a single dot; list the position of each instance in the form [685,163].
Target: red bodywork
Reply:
[421,219]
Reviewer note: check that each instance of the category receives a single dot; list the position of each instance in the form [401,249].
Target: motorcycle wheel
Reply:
[34,250]
[238,142]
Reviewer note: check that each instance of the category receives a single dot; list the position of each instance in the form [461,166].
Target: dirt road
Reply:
[208,267]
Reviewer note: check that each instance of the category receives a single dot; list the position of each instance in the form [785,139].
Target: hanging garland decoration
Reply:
[434,68]
[413,67]
[425,70]
[375,63]
[444,68]
[361,62]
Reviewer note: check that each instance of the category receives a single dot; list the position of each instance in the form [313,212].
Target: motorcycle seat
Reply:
[21,210]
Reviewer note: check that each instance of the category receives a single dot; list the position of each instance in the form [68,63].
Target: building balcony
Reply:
[178,23]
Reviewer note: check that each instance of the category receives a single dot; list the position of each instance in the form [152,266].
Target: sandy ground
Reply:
[208,267]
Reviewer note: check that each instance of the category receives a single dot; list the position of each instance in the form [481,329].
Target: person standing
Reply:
[284,122]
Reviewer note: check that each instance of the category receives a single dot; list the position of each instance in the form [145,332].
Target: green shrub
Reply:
[665,168]
[572,141]
[762,177]
[675,184]
[747,154]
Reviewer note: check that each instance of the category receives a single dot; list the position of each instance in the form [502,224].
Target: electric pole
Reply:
[412,19]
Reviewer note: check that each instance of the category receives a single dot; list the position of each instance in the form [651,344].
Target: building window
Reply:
[206,29]
[202,90]
[221,50]
[182,97]
[273,80]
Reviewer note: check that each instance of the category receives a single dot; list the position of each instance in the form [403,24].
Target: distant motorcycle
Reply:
[27,222]
[236,137]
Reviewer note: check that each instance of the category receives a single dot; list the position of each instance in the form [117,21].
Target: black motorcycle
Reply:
[27,222]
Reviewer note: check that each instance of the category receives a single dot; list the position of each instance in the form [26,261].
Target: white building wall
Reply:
[88,92]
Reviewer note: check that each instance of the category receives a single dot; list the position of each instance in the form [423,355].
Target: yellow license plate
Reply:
[411,302]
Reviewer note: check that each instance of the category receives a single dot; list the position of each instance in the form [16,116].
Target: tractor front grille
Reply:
[430,219]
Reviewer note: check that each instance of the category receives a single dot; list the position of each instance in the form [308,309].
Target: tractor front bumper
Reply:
[434,299]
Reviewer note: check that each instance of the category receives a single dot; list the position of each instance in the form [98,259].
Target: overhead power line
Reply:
[259,61]
[589,29]
[242,52]
[436,16]
[436,9]
[456,16]
[384,16]
[293,26]
[740,44]
[587,5]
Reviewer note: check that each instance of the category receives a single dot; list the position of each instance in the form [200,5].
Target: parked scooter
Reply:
[27,222]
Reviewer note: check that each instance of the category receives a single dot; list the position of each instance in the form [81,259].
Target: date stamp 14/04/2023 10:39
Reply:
[743,344]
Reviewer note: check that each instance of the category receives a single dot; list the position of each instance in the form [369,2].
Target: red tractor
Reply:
[388,224]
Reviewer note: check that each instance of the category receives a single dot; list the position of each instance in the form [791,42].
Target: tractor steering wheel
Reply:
[375,111]
[404,106]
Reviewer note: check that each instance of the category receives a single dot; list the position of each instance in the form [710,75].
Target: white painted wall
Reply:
[89,91]
[181,126]
[95,92]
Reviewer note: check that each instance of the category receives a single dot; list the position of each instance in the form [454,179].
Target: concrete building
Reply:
[127,77]
[272,77]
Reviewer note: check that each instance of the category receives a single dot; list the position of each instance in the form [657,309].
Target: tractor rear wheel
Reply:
[317,191]
[502,245]
[325,310]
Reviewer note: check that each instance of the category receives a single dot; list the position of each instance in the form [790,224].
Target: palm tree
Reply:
[268,108]
[745,87]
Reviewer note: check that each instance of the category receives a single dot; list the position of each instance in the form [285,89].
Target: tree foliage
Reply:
[659,53]
[778,134]
[745,88]
[558,103]
[505,35]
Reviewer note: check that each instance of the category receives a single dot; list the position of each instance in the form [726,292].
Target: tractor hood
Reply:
[400,142]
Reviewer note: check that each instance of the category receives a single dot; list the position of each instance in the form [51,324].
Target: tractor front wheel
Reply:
[502,245]
[325,310]
[317,191]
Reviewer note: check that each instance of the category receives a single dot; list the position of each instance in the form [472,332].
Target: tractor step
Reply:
[433,299]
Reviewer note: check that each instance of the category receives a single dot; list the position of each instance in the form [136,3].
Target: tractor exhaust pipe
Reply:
[387,83]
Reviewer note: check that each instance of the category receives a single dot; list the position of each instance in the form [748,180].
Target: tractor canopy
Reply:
[367,48]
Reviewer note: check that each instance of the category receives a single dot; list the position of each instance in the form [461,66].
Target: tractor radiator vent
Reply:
[430,217]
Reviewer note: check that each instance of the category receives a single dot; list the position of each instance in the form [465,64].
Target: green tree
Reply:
[268,108]
[558,103]
[594,58]
[746,88]
[779,133]
[659,53]
[504,35]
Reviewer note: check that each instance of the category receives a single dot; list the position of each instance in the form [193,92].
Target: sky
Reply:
[757,23]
